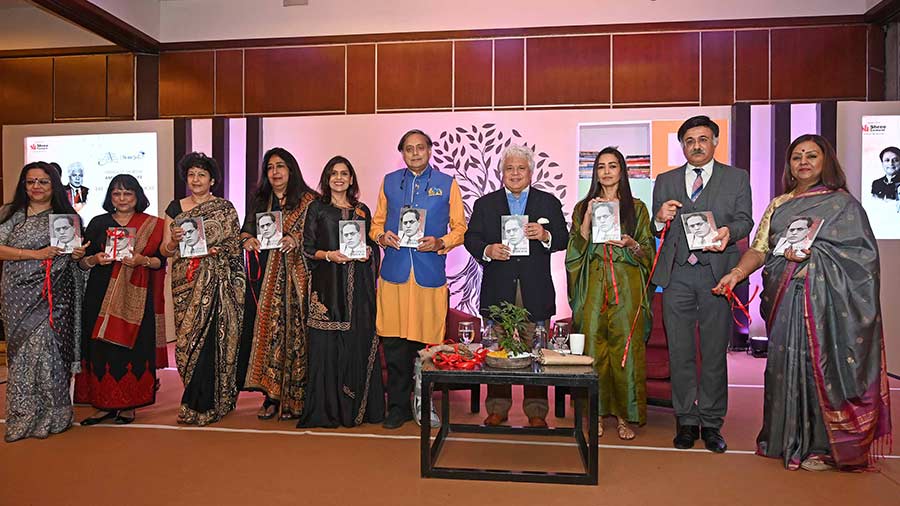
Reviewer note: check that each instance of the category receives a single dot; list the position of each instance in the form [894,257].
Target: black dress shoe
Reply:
[714,441]
[94,420]
[396,419]
[124,420]
[686,436]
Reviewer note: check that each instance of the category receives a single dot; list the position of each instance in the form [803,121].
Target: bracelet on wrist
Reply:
[739,271]
[326,256]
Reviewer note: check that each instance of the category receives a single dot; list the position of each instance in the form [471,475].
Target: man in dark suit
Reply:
[77,194]
[521,280]
[886,187]
[688,277]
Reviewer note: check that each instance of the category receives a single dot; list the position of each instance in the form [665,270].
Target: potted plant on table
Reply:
[511,320]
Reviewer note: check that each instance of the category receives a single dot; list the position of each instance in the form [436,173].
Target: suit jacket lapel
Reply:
[711,186]
[530,206]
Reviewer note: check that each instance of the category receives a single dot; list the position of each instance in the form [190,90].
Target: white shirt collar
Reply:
[707,169]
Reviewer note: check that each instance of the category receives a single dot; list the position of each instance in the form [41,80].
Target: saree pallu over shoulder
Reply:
[210,307]
[278,357]
[841,314]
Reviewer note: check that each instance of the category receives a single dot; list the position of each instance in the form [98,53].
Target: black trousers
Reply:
[400,355]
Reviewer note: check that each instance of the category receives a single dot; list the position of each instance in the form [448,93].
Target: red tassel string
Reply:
[192,268]
[735,301]
[115,234]
[662,240]
[47,290]
[250,275]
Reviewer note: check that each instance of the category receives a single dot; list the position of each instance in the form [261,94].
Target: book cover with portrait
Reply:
[512,234]
[65,232]
[605,224]
[269,229]
[800,234]
[700,229]
[351,234]
[193,242]
[120,242]
[412,227]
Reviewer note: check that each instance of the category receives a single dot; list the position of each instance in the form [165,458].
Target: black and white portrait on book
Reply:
[193,243]
[65,232]
[513,234]
[120,242]
[412,227]
[700,229]
[800,234]
[350,233]
[269,229]
[605,222]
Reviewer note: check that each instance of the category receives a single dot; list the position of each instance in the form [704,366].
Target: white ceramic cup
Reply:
[576,344]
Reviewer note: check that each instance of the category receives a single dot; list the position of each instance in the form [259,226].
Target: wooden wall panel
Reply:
[147,82]
[80,87]
[568,70]
[656,67]
[186,83]
[751,65]
[120,86]
[836,56]
[26,90]
[361,79]
[509,72]
[877,62]
[415,75]
[230,82]
[473,73]
[304,79]
[717,68]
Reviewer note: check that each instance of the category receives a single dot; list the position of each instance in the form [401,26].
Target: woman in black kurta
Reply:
[116,378]
[344,376]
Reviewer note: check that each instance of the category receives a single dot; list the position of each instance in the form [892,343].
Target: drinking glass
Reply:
[560,336]
[487,337]
[466,333]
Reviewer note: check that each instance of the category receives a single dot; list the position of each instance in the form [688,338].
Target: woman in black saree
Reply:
[344,385]
[207,293]
[827,402]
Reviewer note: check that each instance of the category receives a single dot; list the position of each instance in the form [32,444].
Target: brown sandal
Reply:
[625,432]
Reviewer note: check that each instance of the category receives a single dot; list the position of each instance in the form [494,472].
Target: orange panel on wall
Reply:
[230,82]
[80,87]
[361,79]
[473,69]
[751,65]
[415,75]
[186,83]
[717,68]
[120,86]
[656,67]
[568,70]
[303,79]
[814,63]
[26,90]
[509,72]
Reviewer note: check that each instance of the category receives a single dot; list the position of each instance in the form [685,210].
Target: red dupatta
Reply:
[126,295]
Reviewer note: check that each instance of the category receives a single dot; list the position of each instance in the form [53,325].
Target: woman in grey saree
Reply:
[826,395]
[41,305]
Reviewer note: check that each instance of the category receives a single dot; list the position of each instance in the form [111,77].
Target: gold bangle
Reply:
[740,271]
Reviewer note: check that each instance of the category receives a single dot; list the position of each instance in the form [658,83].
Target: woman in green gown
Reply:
[607,291]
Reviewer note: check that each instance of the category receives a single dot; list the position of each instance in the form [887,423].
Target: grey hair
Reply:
[518,150]
[74,166]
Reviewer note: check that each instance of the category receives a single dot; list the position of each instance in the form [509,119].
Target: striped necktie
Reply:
[698,185]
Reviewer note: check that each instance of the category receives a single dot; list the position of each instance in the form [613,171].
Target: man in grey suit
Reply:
[688,277]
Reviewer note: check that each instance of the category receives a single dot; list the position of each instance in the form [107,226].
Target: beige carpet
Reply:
[242,460]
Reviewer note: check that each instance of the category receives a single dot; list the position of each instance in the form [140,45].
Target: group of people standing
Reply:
[304,324]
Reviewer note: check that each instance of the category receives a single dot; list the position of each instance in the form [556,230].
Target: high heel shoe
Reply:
[268,410]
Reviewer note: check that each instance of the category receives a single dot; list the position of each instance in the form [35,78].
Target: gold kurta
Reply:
[408,310]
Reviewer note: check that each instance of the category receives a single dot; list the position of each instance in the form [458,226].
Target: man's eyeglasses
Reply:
[35,182]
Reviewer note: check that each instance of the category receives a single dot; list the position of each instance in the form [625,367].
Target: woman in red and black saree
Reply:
[123,307]
[273,339]
[827,402]
[207,293]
